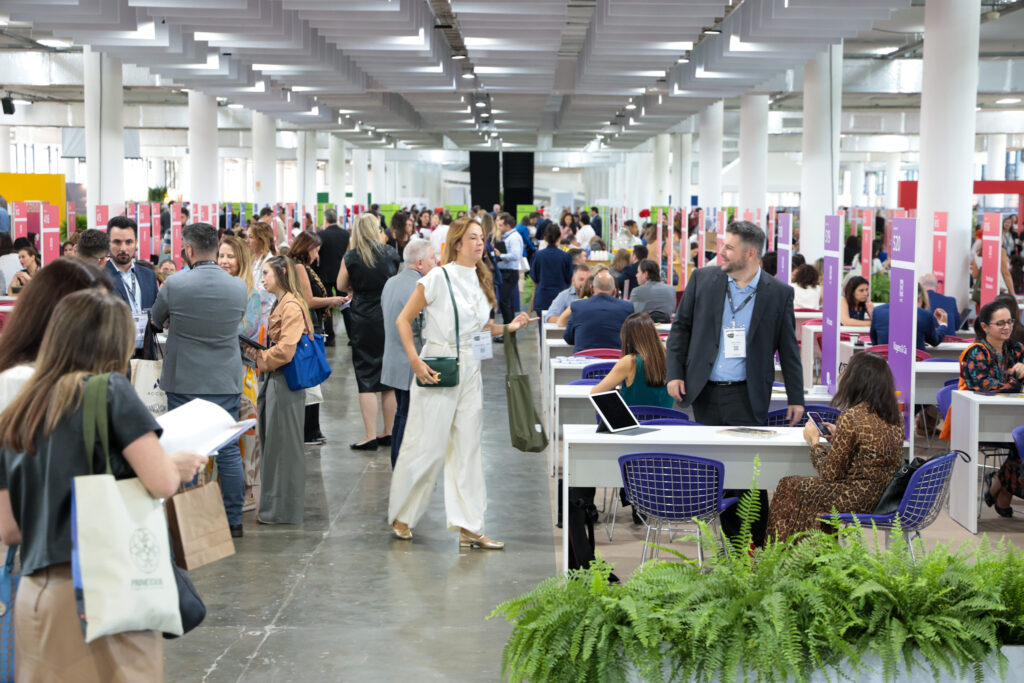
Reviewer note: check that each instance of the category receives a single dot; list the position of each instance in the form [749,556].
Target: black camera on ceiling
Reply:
[8,104]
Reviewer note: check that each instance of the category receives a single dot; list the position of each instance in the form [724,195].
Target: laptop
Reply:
[616,415]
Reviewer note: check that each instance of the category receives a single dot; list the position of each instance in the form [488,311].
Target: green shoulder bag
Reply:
[446,367]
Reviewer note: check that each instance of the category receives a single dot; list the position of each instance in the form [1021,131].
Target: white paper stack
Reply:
[200,426]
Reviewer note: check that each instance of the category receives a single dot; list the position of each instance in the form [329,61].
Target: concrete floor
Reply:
[338,599]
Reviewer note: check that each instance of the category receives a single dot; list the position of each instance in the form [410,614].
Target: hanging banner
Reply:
[991,246]
[19,218]
[719,237]
[770,244]
[903,317]
[866,242]
[659,241]
[50,233]
[939,250]
[702,233]
[785,256]
[831,278]
[72,219]
[176,235]
[747,216]
[102,216]
[145,245]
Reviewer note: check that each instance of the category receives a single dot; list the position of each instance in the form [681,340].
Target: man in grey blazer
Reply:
[204,307]
[729,325]
[396,371]
[652,296]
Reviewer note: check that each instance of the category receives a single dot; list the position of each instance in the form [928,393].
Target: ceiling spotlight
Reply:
[711,31]
[236,105]
[555,169]
[683,60]
[54,43]
[458,56]
[481,104]
[630,106]
[468,75]
[1008,100]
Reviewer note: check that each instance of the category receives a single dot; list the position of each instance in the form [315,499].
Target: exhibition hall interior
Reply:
[526,340]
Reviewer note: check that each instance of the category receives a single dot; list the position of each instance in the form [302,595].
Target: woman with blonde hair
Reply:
[281,411]
[43,449]
[234,257]
[444,428]
[260,239]
[367,265]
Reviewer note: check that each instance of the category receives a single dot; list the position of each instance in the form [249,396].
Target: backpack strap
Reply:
[94,417]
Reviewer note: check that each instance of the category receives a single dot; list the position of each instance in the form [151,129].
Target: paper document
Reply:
[200,426]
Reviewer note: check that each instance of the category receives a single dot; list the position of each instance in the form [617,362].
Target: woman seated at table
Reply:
[807,288]
[995,364]
[932,328]
[862,452]
[640,373]
[855,308]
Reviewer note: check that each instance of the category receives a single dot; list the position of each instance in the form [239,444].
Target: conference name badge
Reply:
[735,342]
[483,346]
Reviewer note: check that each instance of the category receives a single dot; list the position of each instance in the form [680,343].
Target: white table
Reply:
[929,378]
[802,317]
[977,417]
[808,350]
[590,458]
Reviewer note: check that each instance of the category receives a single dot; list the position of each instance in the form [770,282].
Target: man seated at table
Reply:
[931,327]
[628,274]
[570,294]
[595,322]
[652,296]
[930,283]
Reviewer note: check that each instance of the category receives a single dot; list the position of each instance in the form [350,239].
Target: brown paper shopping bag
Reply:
[199,526]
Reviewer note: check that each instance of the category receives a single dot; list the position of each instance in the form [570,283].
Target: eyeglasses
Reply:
[1000,323]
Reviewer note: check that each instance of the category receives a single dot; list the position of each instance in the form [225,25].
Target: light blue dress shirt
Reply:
[562,301]
[513,255]
[5,220]
[735,369]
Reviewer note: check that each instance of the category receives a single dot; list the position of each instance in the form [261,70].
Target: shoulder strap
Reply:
[305,328]
[94,417]
[455,311]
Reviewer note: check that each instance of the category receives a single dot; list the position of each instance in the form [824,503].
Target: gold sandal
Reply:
[469,540]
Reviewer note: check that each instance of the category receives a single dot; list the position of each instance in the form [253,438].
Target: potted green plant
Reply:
[818,606]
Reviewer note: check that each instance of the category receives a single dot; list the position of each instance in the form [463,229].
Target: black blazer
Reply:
[333,245]
[148,288]
[696,332]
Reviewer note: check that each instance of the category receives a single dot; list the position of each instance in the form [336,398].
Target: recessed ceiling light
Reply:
[468,75]
[23,103]
[683,60]
[236,105]
[1008,100]
[630,106]
[54,43]
[458,56]
[712,31]
[555,169]
[481,104]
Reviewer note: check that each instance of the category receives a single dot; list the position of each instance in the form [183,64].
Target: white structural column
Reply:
[336,170]
[710,170]
[5,149]
[995,163]
[892,179]
[305,169]
[753,153]
[264,159]
[947,135]
[203,161]
[360,176]
[662,179]
[378,178]
[104,131]
[819,173]
[857,197]
[682,162]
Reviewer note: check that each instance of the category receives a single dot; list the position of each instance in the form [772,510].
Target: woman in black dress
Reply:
[366,267]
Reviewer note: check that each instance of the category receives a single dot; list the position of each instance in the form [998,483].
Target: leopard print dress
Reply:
[854,470]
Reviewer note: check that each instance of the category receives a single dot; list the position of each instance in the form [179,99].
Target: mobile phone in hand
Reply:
[819,423]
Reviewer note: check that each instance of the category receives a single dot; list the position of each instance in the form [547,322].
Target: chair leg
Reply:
[700,549]
[647,545]
[610,528]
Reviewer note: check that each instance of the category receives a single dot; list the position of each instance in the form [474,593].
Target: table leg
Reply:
[565,507]
[963,485]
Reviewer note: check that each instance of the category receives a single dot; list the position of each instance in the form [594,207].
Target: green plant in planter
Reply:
[880,288]
[779,613]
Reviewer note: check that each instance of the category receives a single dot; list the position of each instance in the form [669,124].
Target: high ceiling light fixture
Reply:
[630,106]
[711,31]
[54,43]
[1008,100]
[481,104]
[458,56]
[468,75]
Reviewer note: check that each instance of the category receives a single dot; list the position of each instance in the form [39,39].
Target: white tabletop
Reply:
[690,435]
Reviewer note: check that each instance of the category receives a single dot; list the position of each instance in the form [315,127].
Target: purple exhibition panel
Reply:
[785,247]
[830,303]
[903,313]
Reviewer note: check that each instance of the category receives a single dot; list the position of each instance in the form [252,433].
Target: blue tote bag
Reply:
[308,367]
[8,587]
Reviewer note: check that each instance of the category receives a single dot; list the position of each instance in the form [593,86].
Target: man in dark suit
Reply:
[595,221]
[628,274]
[333,245]
[135,284]
[737,317]
[595,323]
[930,283]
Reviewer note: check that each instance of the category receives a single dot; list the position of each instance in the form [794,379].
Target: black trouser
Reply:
[398,427]
[311,425]
[729,406]
[508,290]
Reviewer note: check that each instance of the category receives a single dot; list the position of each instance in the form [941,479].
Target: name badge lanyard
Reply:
[136,306]
[732,306]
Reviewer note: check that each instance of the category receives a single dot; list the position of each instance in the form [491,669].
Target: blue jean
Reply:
[229,458]
[398,427]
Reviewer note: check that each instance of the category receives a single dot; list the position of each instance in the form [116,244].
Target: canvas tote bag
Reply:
[121,555]
[146,379]
[524,422]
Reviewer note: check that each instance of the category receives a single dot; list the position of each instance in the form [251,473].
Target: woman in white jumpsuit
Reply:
[445,424]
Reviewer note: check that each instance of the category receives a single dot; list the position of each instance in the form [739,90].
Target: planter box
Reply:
[870,671]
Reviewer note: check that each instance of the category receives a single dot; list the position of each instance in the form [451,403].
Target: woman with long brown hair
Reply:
[398,234]
[281,410]
[639,374]
[861,453]
[42,451]
[444,429]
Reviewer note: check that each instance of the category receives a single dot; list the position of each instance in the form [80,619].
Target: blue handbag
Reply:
[308,367]
[8,587]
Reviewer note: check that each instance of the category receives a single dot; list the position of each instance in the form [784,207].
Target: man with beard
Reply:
[133,283]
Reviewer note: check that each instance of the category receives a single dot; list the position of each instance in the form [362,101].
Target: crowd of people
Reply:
[420,296]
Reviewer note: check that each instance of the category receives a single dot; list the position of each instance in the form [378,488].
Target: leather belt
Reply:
[726,384]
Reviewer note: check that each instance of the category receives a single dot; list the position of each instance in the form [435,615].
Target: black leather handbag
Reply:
[446,367]
[893,494]
[193,611]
